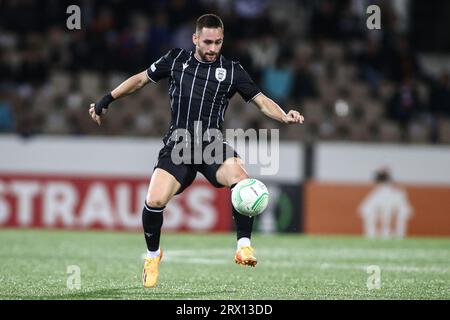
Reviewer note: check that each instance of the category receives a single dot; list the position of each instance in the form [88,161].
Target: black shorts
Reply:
[186,171]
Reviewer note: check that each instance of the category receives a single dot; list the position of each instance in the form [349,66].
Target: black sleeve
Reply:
[162,67]
[244,84]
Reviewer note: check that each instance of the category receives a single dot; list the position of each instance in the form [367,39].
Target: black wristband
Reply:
[103,103]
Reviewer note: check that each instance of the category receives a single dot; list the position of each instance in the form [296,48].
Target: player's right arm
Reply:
[125,88]
[158,70]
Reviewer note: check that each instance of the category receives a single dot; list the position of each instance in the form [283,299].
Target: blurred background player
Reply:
[386,209]
[201,84]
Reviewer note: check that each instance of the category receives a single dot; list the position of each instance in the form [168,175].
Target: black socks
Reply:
[152,221]
[243,223]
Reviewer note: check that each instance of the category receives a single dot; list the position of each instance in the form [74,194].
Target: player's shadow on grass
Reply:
[137,292]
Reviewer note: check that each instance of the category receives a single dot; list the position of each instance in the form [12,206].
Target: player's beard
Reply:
[206,57]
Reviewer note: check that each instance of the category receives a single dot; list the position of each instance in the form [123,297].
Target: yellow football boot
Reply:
[150,272]
[245,256]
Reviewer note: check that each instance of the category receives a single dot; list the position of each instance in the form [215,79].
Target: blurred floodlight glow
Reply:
[341,108]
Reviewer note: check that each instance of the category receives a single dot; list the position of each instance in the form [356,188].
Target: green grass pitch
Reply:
[33,265]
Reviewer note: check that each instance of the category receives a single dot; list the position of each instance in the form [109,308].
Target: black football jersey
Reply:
[200,91]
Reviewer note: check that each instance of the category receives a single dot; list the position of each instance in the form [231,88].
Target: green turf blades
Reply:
[34,265]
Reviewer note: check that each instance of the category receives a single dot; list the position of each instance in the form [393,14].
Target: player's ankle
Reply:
[243,242]
[153,254]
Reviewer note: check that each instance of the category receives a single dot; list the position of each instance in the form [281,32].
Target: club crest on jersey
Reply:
[221,74]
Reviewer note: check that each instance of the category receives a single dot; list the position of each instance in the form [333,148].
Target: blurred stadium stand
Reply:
[351,83]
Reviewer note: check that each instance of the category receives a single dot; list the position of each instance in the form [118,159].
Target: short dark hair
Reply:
[382,175]
[208,20]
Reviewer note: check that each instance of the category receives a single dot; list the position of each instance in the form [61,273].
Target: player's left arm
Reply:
[271,109]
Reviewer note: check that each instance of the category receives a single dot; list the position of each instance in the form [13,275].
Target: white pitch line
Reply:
[368,253]
[197,260]
[192,257]
[392,268]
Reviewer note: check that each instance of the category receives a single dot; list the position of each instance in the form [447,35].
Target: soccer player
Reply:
[201,83]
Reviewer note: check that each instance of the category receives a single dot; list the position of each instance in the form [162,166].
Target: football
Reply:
[250,197]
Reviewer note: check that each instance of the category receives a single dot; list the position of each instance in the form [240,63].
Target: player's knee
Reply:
[156,202]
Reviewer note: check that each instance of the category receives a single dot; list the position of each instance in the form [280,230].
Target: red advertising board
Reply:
[114,203]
